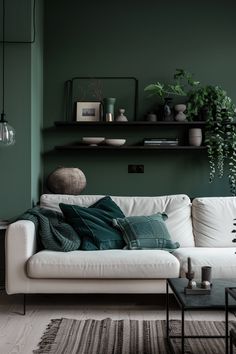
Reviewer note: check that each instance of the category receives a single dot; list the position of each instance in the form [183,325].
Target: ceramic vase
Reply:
[195,136]
[109,107]
[121,117]
[180,116]
[151,117]
[167,111]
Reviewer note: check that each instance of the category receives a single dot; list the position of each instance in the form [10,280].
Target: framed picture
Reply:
[88,111]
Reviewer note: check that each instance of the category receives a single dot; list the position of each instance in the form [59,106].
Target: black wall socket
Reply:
[135,168]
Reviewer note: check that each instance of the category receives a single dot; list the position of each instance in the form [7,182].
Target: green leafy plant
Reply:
[219,113]
[220,133]
[182,81]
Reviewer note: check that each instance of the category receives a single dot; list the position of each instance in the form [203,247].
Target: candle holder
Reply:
[193,288]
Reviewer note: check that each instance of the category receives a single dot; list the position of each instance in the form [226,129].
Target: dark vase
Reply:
[167,112]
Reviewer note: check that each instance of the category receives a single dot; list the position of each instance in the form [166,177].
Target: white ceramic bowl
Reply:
[92,140]
[115,142]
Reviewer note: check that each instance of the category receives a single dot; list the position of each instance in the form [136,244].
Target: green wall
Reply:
[17,177]
[147,40]
[37,106]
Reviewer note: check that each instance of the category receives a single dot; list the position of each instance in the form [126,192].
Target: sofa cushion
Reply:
[177,207]
[213,221]
[152,264]
[145,232]
[222,261]
[94,224]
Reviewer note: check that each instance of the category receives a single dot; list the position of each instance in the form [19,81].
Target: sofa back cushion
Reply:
[213,221]
[177,207]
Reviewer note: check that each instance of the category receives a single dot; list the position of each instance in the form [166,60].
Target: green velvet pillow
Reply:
[146,232]
[94,224]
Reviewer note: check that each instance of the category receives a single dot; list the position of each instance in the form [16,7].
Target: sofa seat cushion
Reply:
[177,207]
[213,221]
[222,261]
[135,264]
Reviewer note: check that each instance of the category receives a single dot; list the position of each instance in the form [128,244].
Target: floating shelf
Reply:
[129,123]
[127,147]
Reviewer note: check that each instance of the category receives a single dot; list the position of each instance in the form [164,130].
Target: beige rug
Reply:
[126,337]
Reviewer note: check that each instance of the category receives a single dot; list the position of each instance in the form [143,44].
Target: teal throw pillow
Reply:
[146,232]
[94,224]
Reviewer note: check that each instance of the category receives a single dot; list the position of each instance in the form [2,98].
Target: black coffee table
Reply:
[214,301]
[229,292]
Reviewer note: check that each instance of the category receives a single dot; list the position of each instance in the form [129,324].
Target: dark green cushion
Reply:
[145,232]
[94,224]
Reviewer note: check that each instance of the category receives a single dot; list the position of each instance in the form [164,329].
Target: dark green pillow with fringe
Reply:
[146,232]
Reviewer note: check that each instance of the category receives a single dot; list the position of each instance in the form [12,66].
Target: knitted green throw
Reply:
[53,233]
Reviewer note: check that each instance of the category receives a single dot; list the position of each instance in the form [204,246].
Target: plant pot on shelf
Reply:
[195,136]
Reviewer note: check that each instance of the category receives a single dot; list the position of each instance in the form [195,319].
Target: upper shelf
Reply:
[137,122]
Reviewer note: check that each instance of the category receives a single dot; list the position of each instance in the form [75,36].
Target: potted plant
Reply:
[220,134]
[212,104]
[182,81]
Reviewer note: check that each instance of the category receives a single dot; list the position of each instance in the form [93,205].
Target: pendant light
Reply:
[7,133]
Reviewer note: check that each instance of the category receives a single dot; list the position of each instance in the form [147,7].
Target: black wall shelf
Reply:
[131,123]
[127,147]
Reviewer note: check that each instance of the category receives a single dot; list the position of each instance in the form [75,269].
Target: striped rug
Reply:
[126,337]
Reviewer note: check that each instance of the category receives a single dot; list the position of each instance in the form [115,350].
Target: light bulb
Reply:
[7,134]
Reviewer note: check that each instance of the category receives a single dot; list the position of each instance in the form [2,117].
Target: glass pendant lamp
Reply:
[7,133]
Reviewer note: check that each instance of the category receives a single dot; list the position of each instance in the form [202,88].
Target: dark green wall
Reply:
[17,175]
[147,40]
[37,106]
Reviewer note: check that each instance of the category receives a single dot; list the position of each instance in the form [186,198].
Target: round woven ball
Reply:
[66,180]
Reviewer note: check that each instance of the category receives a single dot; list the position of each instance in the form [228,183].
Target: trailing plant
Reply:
[220,133]
[234,231]
[182,81]
[213,105]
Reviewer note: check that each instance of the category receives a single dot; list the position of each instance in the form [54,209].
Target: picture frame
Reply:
[88,111]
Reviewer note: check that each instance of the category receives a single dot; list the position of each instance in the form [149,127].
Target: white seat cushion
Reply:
[222,261]
[177,207]
[213,221]
[135,264]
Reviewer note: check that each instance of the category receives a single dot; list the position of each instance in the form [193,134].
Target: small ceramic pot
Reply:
[195,136]
[151,117]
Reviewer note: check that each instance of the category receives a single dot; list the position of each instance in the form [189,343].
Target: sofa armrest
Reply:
[20,245]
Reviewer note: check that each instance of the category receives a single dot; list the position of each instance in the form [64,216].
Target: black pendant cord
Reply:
[3,63]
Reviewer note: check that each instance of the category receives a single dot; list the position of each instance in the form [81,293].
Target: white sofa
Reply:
[203,228]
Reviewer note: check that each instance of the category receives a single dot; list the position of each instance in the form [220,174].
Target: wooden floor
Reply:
[21,334]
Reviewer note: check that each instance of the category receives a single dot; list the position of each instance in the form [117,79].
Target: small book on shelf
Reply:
[161,141]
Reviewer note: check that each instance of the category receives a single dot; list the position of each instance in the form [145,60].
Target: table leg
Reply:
[226,321]
[167,311]
[231,345]
[182,330]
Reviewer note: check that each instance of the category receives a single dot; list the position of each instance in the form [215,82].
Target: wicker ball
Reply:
[66,180]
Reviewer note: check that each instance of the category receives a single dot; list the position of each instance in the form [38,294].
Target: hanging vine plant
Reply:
[213,105]
[220,133]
